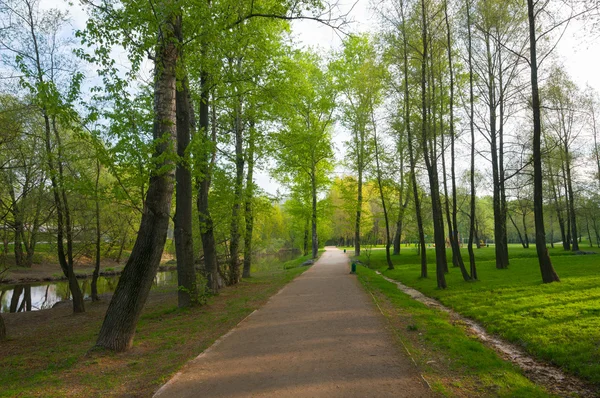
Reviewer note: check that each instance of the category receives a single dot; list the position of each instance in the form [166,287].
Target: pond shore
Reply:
[48,272]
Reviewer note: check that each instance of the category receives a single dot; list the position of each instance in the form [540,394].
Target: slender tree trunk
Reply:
[411,154]
[249,210]
[567,242]
[500,232]
[472,267]
[234,267]
[359,201]
[573,222]
[453,223]
[78,305]
[206,160]
[315,238]
[557,207]
[382,196]
[96,273]
[546,268]
[525,233]
[437,214]
[118,328]
[187,292]
[518,232]
[63,218]
[2,329]
[305,245]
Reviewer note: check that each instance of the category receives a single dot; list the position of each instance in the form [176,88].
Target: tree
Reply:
[546,268]
[429,154]
[45,70]
[561,117]
[351,71]
[306,153]
[119,324]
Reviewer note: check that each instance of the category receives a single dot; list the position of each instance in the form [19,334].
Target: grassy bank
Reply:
[557,322]
[48,355]
[452,363]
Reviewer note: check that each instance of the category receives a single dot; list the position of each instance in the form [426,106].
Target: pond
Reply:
[43,295]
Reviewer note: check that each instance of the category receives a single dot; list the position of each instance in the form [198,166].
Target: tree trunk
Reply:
[453,223]
[359,201]
[436,209]
[315,238]
[518,232]
[187,292]
[305,243]
[14,300]
[411,155]
[94,287]
[500,232]
[546,268]
[573,222]
[206,160]
[249,209]
[2,329]
[525,233]
[234,267]
[118,328]
[380,184]
[557,207]
[472,267]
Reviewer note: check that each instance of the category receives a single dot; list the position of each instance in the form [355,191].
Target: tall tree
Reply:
[473,267]
[130,295]
[429,154]
[546,268]
[41,61]
[306,154]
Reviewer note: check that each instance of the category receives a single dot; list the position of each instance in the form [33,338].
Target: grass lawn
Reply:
[452,362]
[559,322]
[48,352]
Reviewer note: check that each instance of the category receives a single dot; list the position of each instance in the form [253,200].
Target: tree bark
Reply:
[359,201]
[207,160]
[249,217]
[436,209]
[2,329]
[472,265]
[305,243]
[96,273]
[187,292]
[547,270]
[382,196]
[411,154]
[315,238]
[574,232]
[118,328]
[234,267]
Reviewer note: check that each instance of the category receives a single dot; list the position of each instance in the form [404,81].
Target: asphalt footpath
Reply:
[320,336]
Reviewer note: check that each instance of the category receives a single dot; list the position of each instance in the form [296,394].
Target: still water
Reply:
[43,295]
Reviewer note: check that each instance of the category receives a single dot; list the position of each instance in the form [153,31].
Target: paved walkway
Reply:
[321,336]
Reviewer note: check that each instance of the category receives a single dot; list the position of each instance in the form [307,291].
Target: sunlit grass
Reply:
[559,322]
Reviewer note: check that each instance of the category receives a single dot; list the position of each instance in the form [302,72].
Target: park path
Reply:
[320,336]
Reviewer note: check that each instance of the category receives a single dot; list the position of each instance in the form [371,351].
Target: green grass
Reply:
[453,363]
[558,322]
[47,353]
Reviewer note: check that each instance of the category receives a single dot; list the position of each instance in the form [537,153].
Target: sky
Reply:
[577,51]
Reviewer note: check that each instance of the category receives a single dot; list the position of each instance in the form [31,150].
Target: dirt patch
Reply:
[544,374]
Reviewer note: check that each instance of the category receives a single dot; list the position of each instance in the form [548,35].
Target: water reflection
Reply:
[40,296]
